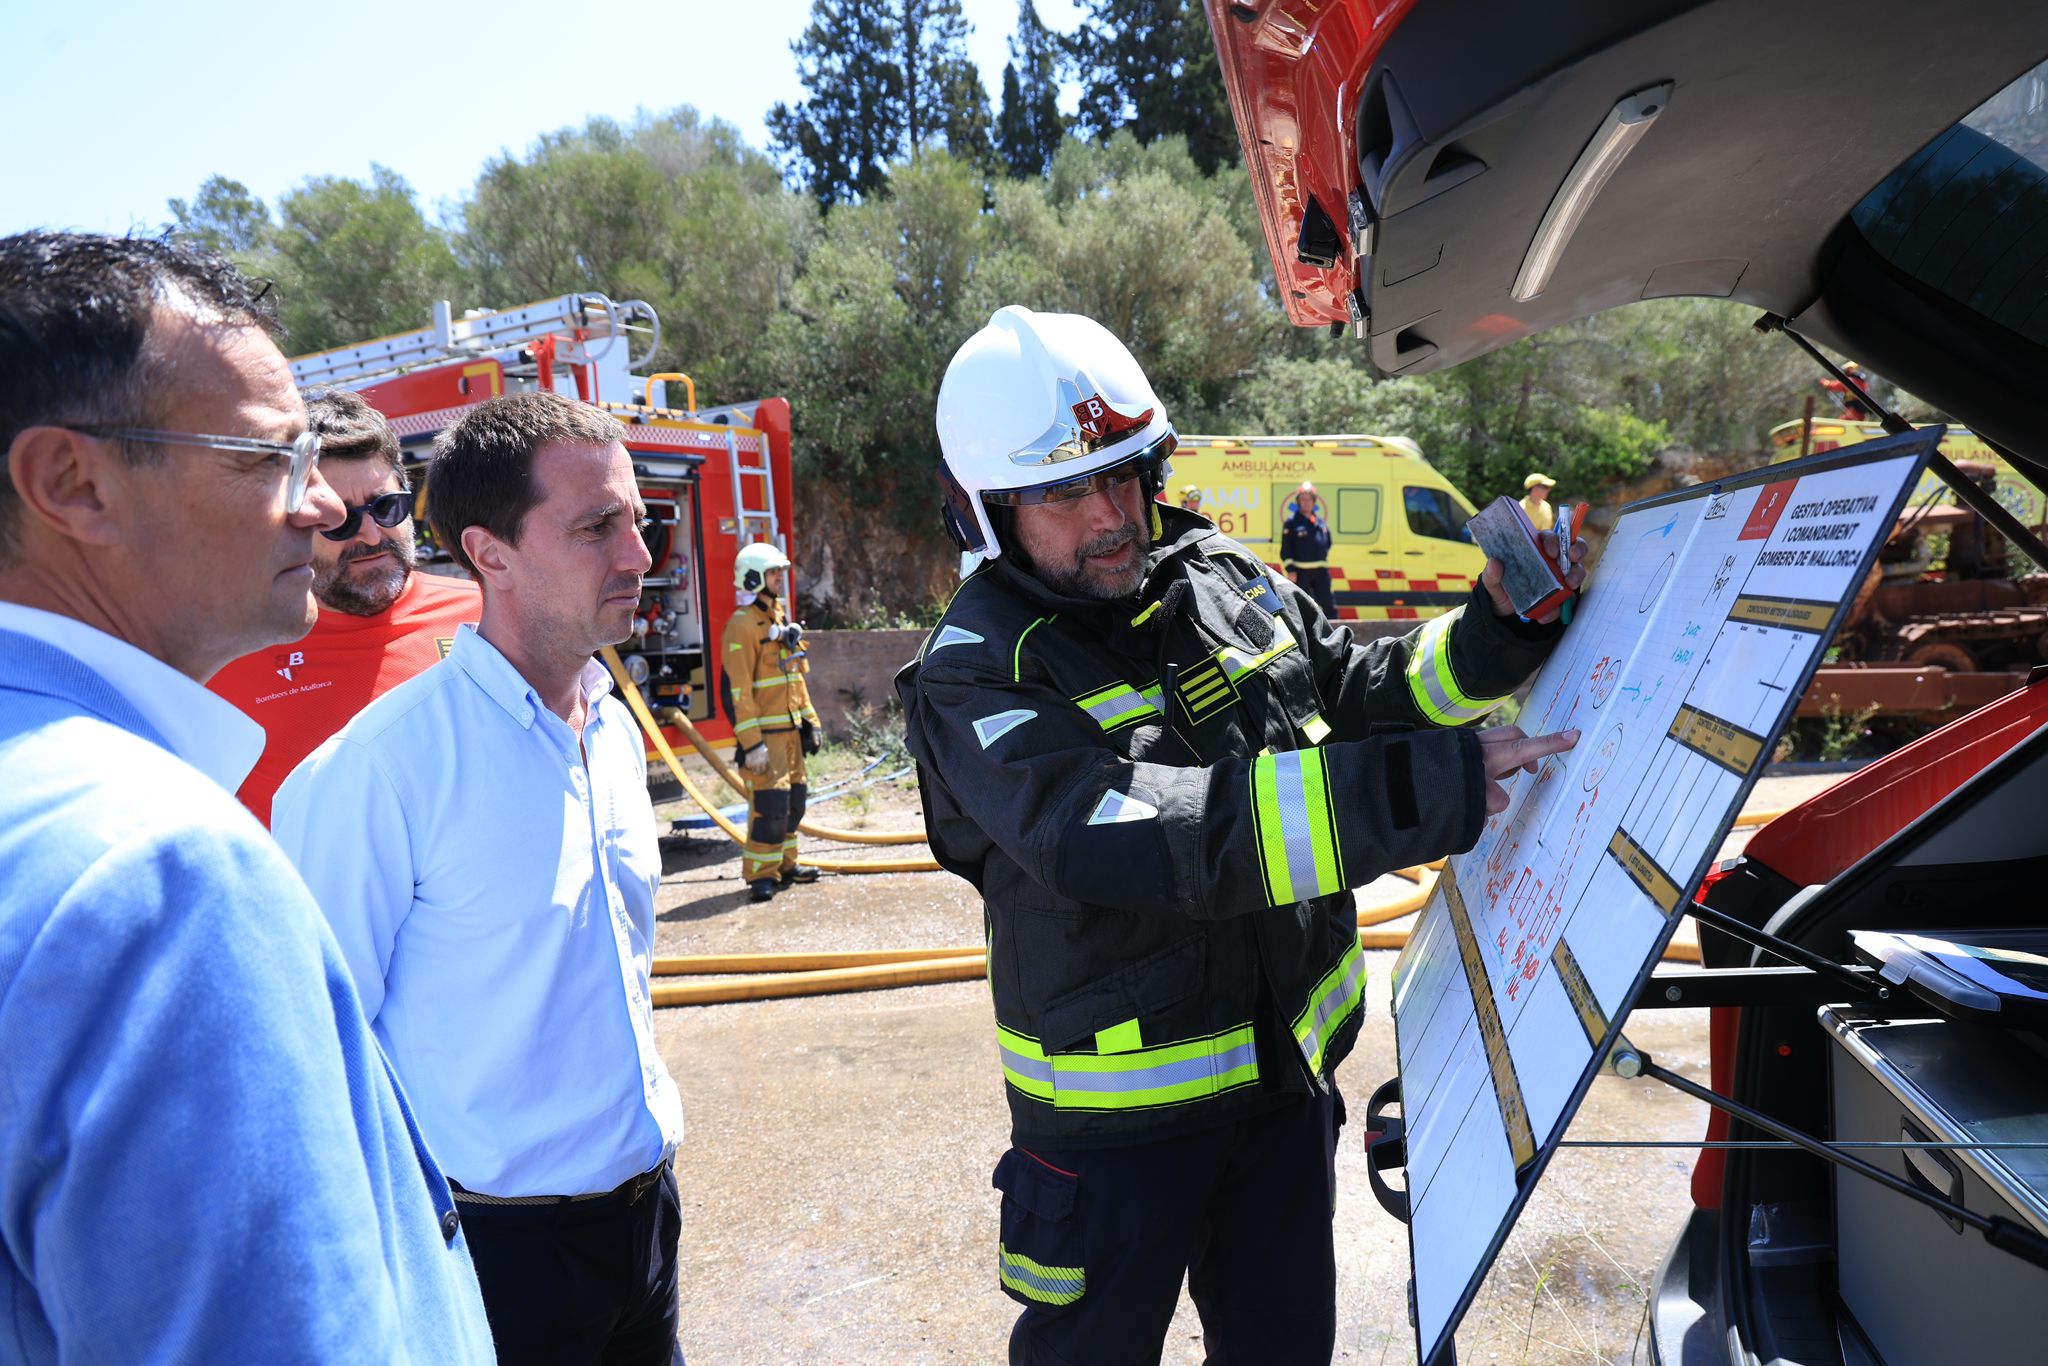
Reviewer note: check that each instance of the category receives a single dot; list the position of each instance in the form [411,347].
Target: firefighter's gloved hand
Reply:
[756,758]
[809,732]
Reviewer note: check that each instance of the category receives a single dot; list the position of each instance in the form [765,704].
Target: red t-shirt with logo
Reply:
[306,691]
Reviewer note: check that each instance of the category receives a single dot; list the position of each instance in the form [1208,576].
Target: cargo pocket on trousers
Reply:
[1039,1257]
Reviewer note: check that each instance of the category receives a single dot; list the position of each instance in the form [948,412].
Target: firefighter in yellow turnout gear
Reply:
[773,722]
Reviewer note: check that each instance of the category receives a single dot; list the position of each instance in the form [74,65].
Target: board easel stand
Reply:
[1810,979]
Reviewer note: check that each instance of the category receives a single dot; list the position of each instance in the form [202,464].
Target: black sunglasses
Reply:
[386,510]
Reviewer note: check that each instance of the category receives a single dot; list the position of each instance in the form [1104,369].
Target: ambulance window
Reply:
[1433,512]
[1358,514]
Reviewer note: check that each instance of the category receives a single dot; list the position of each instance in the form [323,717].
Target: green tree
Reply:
[839,142]
[1150,66]
[880,306]
[355,260]
[887,79]
[579,213]
[224,217]
[1138,239]
[1029,128]
[674,209]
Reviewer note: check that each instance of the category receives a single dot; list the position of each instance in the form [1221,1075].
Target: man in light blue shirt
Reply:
[203,1157]
[482,842]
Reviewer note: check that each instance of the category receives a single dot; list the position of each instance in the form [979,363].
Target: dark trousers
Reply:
[1316,583]
[1095,1242]
[582,1283]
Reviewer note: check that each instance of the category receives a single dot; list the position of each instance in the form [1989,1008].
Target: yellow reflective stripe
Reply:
[1296,827]
[1236,664]
[778,681]
[739,726]
[1430,681]
[1120,705]
[1136,1079]
[1046,1284]
[1306,564]
[1315,729]
[1334,1001]
[1119,1038]
[1017,655]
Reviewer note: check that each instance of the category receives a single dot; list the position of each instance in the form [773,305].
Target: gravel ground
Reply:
[835,1176]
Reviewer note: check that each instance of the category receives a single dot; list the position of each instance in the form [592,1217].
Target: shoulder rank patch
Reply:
[990,729]
[1259,589]
[1119,808]
[954,635]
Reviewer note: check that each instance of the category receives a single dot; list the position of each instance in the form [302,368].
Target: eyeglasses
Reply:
[301,453]
[386,510]
[1102,480]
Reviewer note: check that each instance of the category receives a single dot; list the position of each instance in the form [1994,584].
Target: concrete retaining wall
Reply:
[855,668]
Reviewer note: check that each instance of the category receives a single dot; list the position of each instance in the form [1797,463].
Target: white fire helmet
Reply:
[1043,407]
[750,568]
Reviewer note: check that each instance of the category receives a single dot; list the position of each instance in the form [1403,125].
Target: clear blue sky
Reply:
[116,106]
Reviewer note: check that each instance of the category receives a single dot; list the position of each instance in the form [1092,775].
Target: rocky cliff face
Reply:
[856,567]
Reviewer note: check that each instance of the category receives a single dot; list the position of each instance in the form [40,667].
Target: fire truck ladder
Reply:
[548,333]
[754,522]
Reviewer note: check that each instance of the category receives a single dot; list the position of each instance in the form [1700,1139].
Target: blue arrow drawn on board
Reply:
[1664,530]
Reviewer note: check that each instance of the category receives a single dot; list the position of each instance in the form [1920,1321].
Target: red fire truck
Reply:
[714,478]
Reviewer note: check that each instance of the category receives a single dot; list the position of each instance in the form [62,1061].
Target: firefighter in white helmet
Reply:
[1164,770]
[773,723]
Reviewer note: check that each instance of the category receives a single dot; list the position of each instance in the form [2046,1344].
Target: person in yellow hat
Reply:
[1536,501]
[1191,497]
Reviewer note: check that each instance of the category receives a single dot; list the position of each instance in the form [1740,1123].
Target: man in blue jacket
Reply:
[202,1155]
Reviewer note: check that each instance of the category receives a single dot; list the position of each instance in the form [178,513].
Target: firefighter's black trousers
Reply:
[1316,583]
[1095,1242]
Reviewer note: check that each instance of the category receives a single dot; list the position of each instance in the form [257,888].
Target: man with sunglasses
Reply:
[1165,769]
[380,623]
[203,1156]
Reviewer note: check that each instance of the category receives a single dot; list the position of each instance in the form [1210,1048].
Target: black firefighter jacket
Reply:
[1164,802]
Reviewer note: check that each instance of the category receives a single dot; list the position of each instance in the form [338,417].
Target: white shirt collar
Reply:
[488,668]
[205,731]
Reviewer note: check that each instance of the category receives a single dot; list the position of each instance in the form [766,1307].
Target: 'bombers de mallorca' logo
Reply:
[1097,422]
[1100,423]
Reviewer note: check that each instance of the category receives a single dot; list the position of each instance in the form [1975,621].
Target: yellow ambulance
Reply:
[1397,528]
[1790,439]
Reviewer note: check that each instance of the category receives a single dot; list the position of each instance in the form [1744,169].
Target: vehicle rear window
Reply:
[1433,512]
[1358,514]
[1967,215]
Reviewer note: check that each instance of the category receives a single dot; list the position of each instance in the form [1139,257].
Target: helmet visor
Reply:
[1098,481]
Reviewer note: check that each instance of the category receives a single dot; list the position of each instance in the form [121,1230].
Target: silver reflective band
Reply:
[302,451]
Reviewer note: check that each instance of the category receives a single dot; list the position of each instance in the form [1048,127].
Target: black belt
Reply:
[627,1192]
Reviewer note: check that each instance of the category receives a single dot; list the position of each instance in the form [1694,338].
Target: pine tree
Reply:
[840,141]
[888,79]
[1150,66]
[943,94]
[1030,127]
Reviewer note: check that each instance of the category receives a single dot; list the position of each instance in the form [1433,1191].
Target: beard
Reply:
[1076,578]
[366,595]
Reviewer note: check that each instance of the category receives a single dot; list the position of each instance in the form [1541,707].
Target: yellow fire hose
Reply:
[686,965]
[915,972]
[903,968]
[737,784]
[675,766]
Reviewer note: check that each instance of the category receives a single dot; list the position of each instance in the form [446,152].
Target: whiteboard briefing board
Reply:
[1696,637]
